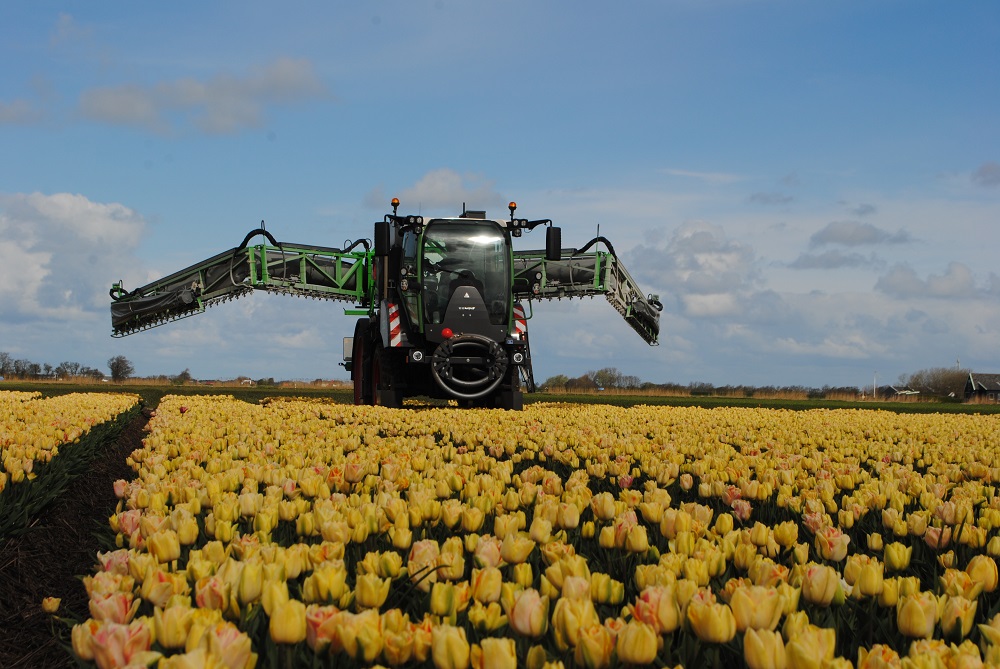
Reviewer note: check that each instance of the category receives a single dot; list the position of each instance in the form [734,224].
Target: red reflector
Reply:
[447,333]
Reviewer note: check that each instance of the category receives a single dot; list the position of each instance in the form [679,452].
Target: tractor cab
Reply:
[465,267]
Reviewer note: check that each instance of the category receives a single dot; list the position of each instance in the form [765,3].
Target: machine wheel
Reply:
[359,365]
[510,396]
[383,380]
[469,367]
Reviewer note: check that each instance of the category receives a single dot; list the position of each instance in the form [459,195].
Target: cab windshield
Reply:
[465,254]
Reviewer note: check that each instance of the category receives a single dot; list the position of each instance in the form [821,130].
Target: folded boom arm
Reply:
[293,269]
[587,273]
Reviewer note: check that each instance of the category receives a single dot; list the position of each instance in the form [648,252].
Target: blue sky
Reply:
[813,189]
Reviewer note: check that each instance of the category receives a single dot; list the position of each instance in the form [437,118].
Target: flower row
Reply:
[33,429]
[588,536]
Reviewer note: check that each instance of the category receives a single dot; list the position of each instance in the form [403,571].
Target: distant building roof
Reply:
[982,382]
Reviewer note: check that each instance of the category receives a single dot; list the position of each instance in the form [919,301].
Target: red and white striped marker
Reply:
[520,322]
[395,327]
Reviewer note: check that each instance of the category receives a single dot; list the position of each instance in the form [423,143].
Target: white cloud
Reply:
[442,189]
[853,233]
[67,29]
[987,174]
[59,253]
[707,177]
[223,104]
[770,198]
[835,259]
[19,112]
[902,281]
[700,265]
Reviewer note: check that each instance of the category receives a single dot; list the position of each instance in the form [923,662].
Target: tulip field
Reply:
[306,533]
[45,443]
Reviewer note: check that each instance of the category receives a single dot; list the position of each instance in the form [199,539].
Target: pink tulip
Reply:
[117,645]
[114,607]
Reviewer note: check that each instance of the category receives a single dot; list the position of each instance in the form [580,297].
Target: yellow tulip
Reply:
[957,616]
[494,653]
[897,556]
[917,614]
[658,607]
[172,625]
[449,647]
[811,647]
[983,570]
[516,548]
[528,613]
[486,618]
[606,590]
[486,584]
[763,649]
[831,544]
[288,624]
[569,617]
[820,584]
[711,622]
[786,534]
[879,656]
[637,643]
[165,546]
[370,592]
[757,607]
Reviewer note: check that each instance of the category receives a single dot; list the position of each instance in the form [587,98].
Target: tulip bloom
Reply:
[117,645]
[711,622]
[917,614]
[165,546]
[115,607]
[172,625]
[231,646]
[595,647]
[897,556]
[527,613]
[657,606]
[812,646]
[371,591]
[957,616]
[831,544]
[288,624]
[360,634]
[81,637]
[879,656]
[494,653]
[488,618]
[763,649]
[569,617]
[486,584]
[637,643]
[820,584]
[983,570]
[449,647]
[516,548]
[321,626]
[757,607]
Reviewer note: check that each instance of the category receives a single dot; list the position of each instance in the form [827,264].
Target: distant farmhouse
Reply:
[982,388]
[897,393]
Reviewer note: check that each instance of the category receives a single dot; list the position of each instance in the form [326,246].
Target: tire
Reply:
[510,396]
[359,365]
[384,380]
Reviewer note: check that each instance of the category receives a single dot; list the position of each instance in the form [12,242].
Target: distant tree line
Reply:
[939,381]
[931,382]
[14,368]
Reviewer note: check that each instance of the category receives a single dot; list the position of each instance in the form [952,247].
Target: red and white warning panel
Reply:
[395,327]
[520,321]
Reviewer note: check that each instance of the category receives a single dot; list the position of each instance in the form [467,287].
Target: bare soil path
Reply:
[49,560]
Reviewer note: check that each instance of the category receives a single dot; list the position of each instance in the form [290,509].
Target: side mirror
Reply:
[553,243]
[382,238]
